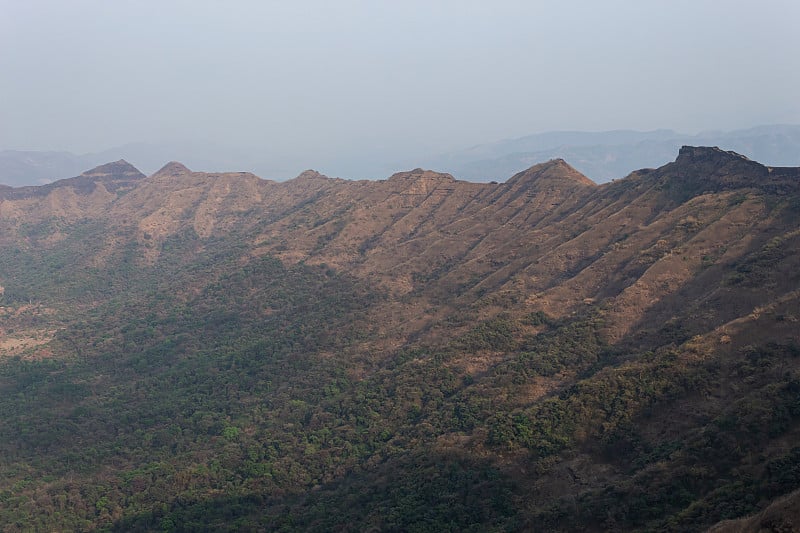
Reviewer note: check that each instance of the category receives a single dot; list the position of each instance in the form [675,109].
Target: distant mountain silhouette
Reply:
[604,156]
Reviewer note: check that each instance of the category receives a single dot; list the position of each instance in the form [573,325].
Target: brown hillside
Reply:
[548,238]
[625,354]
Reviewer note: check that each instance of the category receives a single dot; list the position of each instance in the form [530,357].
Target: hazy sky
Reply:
[381,77]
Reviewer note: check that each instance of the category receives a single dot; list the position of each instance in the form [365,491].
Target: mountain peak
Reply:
[420,174]
[173,168]
[310,174]
[117,169]
[701,169]
[553,171]
[710,161]
[694,154]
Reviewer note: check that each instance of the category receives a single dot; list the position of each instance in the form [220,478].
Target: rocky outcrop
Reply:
[710,169]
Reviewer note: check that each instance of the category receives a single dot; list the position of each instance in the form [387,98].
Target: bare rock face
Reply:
[701,169]
[709,155]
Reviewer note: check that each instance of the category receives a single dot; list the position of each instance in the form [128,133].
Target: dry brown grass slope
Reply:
[548,238]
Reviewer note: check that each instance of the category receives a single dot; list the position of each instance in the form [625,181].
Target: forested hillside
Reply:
[189,351]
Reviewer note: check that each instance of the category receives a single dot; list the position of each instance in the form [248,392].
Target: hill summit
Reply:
[556,170]
[117,169]
[173,168]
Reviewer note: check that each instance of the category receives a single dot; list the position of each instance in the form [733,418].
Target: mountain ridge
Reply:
[602,156]
[580,356]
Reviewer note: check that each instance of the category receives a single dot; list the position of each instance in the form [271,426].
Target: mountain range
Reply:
[214,351]
[613,154]
[602,156]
